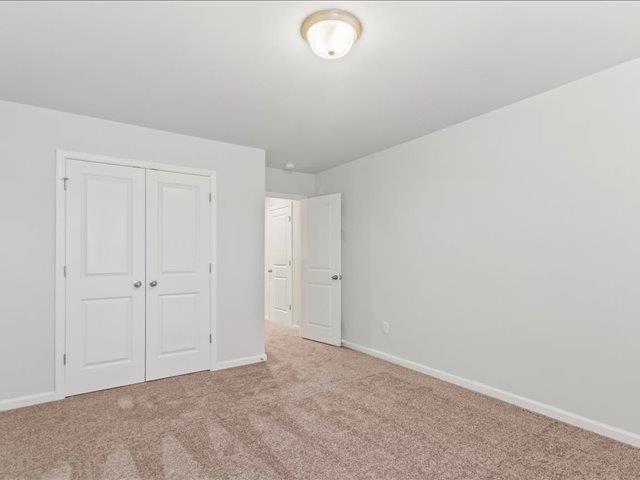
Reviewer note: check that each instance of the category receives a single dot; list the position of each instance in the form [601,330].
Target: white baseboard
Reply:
[523,402]
[18,402]
[284,324]
[239,362]
[27,400]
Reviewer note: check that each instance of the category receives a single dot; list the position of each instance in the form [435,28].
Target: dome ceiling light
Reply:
[331,33]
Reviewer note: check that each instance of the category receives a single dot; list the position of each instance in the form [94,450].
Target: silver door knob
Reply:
[153,283]
[137,284]
[335,277]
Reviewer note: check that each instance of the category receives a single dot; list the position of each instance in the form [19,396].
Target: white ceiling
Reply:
[239,71]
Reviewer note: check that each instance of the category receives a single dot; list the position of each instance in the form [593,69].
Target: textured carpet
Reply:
[311,411]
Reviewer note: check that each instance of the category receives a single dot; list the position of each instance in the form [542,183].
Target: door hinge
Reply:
[209,267]
[289,262]
[64,182]
[64,271]
[289,307]
[289,217]
[64,359]
[210,338]
[209,197]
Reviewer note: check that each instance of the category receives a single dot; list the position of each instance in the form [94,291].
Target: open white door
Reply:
[321,269]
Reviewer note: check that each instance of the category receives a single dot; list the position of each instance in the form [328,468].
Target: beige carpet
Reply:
[312,411]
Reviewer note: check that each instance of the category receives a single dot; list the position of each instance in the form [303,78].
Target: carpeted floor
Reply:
[311,411]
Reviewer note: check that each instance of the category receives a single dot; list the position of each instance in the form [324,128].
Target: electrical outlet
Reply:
[385,328]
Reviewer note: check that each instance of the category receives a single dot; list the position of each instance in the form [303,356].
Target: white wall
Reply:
[506,249]
[29,137]
[280,181]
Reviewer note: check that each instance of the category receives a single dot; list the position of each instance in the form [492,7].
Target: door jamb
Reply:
[60,251]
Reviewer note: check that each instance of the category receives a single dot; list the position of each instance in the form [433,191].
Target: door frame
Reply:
[60,286]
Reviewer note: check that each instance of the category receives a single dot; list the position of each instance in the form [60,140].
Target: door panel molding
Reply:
[60,294]
[105,239]
[321,269]
[280,264]
[177,251]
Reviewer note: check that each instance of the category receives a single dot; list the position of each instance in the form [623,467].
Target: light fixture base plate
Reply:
[331,14]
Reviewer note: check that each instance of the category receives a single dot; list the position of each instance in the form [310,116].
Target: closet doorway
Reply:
[135,283]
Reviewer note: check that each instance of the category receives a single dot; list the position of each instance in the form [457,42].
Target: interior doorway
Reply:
[282,260]
[303,265]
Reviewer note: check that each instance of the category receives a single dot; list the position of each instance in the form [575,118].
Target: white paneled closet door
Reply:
[105,307]
[178,293]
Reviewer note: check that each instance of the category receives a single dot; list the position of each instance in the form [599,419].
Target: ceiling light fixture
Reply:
[331,33]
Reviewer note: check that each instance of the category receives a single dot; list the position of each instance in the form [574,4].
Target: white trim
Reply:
[128,162]
[239,362]
[296,255]
[287,196]
[213,281]
[281,324]
[27,400]
[523,402]
[60,284]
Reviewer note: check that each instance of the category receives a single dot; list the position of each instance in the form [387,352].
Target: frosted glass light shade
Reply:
[331,33]
[331,39]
